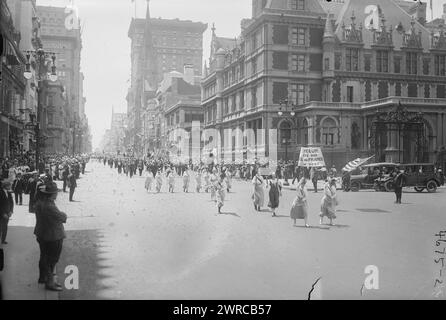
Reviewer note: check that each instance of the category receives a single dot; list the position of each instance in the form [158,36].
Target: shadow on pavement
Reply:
[230,214]
[83,248]
[314,227]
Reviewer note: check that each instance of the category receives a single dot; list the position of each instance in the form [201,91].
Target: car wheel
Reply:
[419,189]
[389,186]
[431,186]
[355,186]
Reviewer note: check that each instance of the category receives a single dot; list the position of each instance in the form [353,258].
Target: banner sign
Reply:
[311,157]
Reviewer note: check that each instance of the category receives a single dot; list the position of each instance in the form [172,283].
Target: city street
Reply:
[129,244]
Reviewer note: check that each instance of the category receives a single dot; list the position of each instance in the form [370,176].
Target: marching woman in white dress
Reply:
[220,190]
[258,196]
[299,209]
[198,181]
[159,181]
[186,180]
[213,179]
[228,180]
[206,180]
[329,201]
[171,180]
[149,181]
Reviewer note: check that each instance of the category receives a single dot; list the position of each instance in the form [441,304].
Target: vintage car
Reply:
[421,176]
[371,176]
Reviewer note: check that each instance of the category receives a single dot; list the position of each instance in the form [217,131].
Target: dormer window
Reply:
[297,4]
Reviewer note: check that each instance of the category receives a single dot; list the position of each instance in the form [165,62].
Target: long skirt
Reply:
[328,209]
[213,193]
[198,185]
[158,186]
[274,196]
[299,211]
[259,196]
[220,198]
[148,184]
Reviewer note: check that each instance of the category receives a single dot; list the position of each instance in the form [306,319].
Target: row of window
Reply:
[352,62]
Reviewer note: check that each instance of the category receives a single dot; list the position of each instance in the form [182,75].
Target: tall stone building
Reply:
[332,74]
[67,44]
[158,46]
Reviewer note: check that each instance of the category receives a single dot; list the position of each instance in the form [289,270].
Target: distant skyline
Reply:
[105,59]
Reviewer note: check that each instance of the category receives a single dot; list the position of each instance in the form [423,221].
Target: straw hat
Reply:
[49,188]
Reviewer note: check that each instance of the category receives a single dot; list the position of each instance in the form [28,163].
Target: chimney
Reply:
[189,74]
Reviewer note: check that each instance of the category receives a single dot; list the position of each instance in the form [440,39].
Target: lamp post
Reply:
[287,111]
[41,58]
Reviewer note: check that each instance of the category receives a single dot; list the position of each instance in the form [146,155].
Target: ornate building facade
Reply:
[158,46]
[332,74]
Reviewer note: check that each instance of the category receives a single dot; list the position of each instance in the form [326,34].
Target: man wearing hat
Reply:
[6,208]
[49,231]
[72,183]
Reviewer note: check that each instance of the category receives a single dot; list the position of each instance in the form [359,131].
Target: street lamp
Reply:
[40,57]
[287,110]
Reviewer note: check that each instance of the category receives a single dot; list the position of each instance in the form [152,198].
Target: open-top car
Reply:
[370,175]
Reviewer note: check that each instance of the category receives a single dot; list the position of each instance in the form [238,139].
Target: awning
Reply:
[352,165]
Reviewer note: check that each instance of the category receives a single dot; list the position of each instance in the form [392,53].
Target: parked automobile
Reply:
[421,176]
[371,176]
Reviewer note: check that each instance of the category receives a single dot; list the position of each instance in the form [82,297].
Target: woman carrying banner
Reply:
[299,209]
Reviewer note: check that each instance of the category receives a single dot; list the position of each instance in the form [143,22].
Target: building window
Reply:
[368,91]
[329,131]
[280,92]
[254,97]
[280,34]
[426,63]
[367,62]
[397,64]
[50,117]
[349,94]
[226,106]
[280,60]
[285,133]
[234,103]
[298,93]
[297,4]
[298,62]
[412,90]
[352,59]
[440,91]
[254,66]
[411,62]
[383,89]
[440,65]
[242,100]
[382,61]
[398,89]
[298,36]
[427,91]
[338,59]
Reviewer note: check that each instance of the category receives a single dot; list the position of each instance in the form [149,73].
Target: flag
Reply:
[352,165]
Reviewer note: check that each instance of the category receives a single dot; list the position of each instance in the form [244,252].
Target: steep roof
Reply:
[393,13]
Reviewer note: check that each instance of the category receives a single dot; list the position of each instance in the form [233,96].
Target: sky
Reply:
[105,59]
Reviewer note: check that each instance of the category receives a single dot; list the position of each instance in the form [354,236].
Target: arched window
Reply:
[285,133]
[329,132]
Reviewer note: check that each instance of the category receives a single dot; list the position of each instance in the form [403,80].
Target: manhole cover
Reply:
[373,211]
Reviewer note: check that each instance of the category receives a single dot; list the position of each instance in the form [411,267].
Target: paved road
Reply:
[129,244]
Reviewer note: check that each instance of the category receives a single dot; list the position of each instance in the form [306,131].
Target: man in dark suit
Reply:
[6,209]
[72,184]
[398,181]
[65,173]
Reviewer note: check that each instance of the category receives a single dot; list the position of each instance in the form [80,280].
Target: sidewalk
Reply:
[19,277]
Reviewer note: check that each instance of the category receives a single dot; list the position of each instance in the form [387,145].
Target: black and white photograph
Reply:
[229,151]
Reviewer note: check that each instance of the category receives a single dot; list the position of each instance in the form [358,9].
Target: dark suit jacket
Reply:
[72,181]
[6,204]
[49,221]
